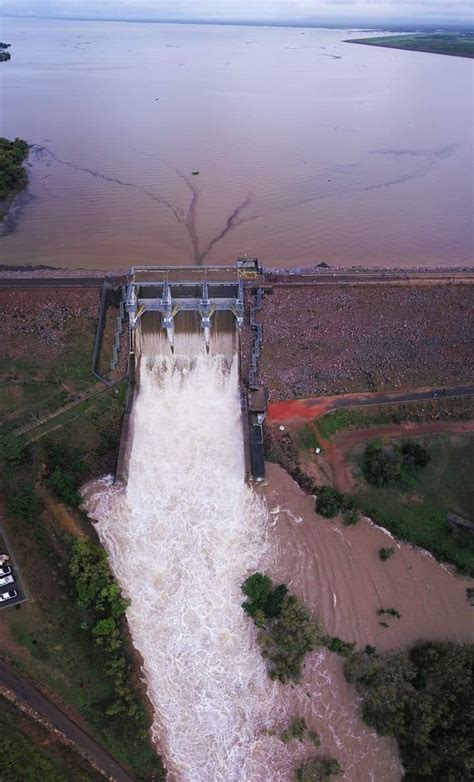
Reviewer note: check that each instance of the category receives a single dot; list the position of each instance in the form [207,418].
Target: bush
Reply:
[263,596]
[318,770]
[379,467]
[330,502]
[63,485]
[297,730]
[385,553]
[389,612]
[414,455]
[338,646]
[11,449]
[23,503]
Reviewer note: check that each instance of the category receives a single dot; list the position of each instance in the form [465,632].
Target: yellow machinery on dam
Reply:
[173,291]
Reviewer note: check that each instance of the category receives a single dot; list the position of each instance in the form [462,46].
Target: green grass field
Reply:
[460,409]
[32,388]
[417,512]
[454,44]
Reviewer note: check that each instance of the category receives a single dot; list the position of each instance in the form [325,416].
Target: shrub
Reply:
[330,502]
[338,646]
[297,730]
[380,467]
[264,598]
[389,612]
[23,502]
[63,485]
[318,770]
[350,517]
[414,454]
[11,449]
[385,553]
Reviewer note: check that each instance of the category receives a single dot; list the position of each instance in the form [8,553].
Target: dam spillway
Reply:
[182,534]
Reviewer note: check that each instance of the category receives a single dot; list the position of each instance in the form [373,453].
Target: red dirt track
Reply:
[300,410]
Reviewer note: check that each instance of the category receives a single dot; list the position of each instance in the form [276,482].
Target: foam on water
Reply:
[181,537]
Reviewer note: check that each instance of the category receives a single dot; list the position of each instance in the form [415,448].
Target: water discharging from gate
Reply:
[181,537]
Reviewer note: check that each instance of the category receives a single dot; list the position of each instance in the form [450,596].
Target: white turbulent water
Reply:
[181,537]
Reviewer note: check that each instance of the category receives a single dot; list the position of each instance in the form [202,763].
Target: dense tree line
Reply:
[100,599]
[13,176]
[424,698]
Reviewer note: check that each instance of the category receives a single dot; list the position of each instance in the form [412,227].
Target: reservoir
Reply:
[189,144]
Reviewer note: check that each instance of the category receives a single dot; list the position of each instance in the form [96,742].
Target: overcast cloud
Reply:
[284,10]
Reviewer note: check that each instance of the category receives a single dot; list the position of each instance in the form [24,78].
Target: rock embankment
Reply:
[337,339]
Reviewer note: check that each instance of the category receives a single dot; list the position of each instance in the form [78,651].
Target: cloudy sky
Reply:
[274,10]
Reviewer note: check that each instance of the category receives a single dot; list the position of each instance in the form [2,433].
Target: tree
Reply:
[381,467]
[11,449]
[330,502]
[287,639]
[264,598]
[414,455]
[424,698]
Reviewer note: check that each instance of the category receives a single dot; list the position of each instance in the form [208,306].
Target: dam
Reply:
[199,305]
[185,529]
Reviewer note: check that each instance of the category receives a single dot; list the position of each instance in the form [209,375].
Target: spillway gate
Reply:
[205,290]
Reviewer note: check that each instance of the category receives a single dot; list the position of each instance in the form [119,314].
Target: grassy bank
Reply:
[458,409]
[454,44]
[42,381]
[29,752]
[417,512]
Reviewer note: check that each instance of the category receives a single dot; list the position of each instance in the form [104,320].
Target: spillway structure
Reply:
[202,302]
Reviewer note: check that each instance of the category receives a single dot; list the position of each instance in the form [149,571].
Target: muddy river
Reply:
[337,572]
[190,144]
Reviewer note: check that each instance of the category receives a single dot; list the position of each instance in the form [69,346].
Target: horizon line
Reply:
[383,25]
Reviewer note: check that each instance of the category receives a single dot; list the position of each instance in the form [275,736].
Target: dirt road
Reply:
[28,693]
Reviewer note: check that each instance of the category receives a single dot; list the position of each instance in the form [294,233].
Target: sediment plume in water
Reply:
[182,536]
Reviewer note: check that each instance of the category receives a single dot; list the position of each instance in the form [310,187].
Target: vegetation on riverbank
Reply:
[416,510]
[13,176]
[457,44]
[71,635]
[424,698]
[29,752]
[4,55]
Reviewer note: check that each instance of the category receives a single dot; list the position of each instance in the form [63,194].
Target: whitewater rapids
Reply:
[182,536]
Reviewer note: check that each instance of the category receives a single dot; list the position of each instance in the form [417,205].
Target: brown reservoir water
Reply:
[308,149]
